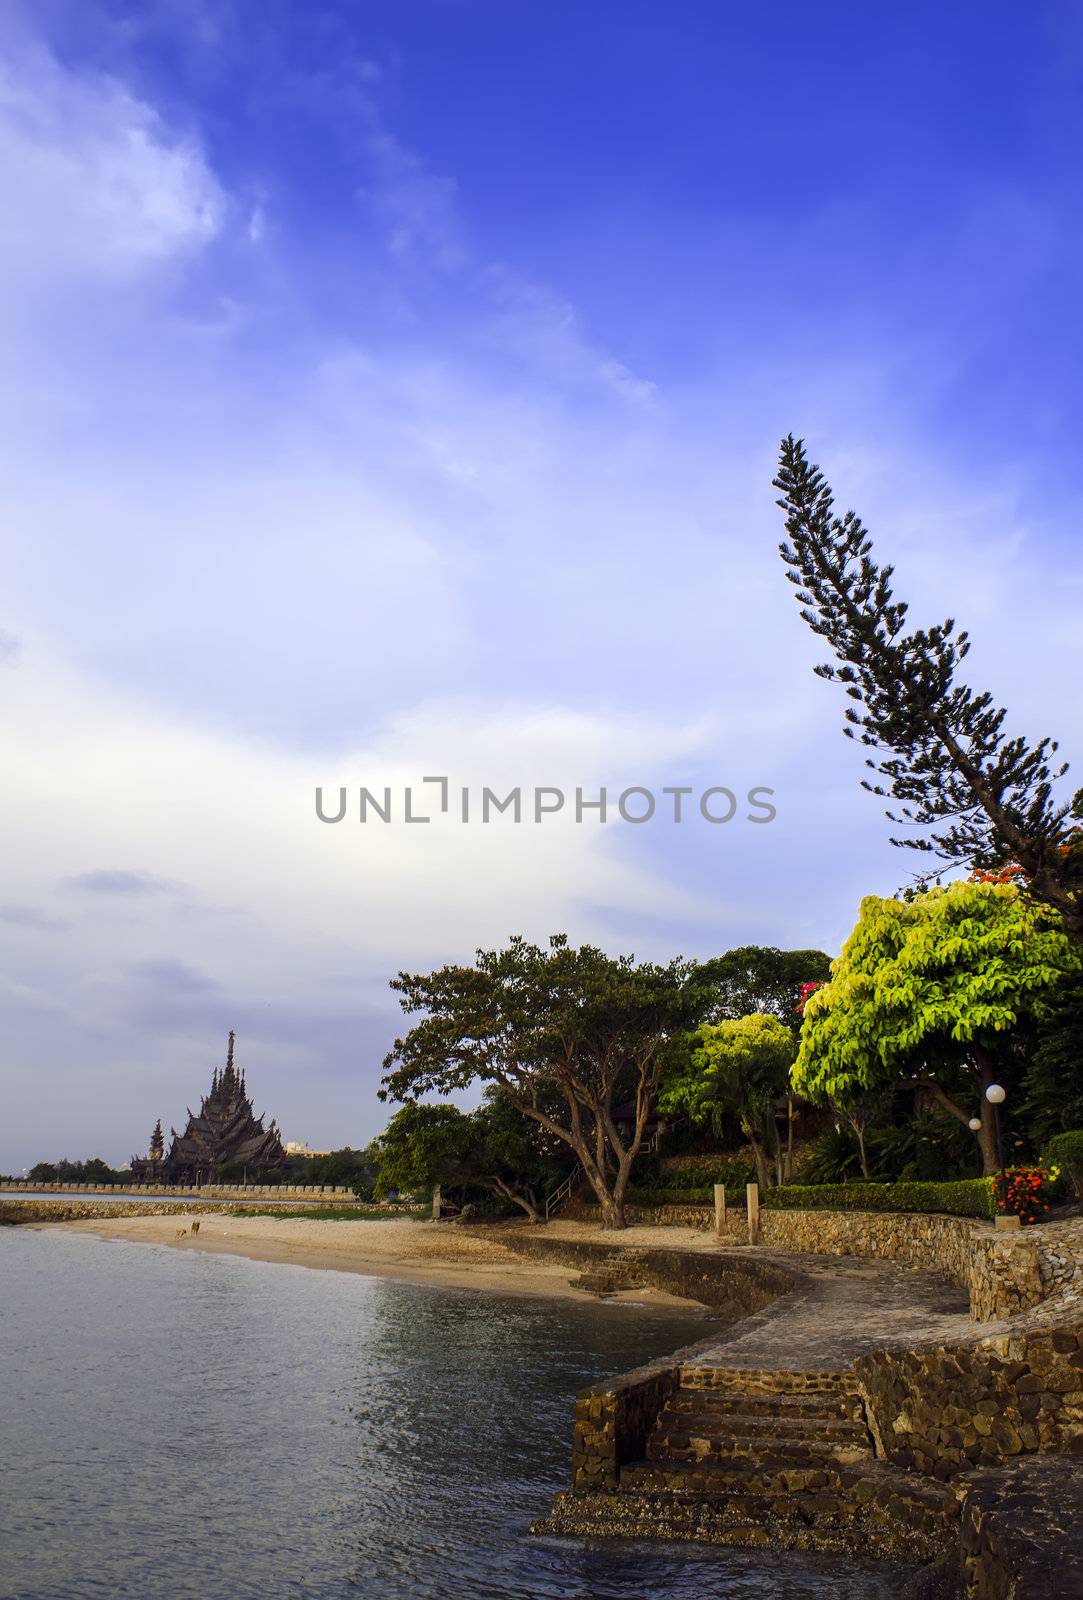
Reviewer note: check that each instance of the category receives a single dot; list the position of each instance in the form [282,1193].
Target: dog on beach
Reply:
[195,1227]
[181,1232]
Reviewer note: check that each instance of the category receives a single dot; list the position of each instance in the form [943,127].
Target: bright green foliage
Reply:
[955,966]
[739,1066]
[1065,1150]
[970,1197]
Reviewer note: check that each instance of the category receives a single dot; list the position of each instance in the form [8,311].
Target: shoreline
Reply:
[403,1249]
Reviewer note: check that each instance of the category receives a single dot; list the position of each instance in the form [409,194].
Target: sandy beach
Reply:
[402,1247]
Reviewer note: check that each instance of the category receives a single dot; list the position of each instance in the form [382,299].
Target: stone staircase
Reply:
[765,1459]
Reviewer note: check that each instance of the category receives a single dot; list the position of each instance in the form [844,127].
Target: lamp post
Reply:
[996,1096]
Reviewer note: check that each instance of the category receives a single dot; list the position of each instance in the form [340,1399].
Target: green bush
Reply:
[968,1197]
[924,1150]
[702,1176]
[1065,1150]
[670,1197]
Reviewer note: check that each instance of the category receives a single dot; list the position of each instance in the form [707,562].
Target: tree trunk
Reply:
[526,1202]
[857,1123]
[611,1202]
[986,1135]
[987,1138]
[762,1174]
[860,1131]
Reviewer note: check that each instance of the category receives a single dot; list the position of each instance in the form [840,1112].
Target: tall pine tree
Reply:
[973,796]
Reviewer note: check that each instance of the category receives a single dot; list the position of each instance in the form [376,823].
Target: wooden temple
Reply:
[225,1133]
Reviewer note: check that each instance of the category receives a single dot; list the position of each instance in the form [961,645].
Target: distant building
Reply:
[298,1147]
[226,1132]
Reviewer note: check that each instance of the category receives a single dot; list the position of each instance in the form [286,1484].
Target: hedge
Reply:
[1065,1150]
[969,1197]
[669,1197]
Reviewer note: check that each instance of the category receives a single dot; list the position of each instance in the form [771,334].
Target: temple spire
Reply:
[229,1051]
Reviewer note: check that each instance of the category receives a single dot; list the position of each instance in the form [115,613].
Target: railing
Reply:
[558,1197]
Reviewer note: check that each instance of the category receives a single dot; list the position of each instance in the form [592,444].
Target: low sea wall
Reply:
[1003,1273]
[740,1285]
[81,1210]
[211,1191]
[14,1212]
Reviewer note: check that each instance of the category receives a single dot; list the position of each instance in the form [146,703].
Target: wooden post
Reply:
[720,1208]
[753,1194]
[436,1203]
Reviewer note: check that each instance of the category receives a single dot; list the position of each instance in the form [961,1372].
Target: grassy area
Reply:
[328,1213]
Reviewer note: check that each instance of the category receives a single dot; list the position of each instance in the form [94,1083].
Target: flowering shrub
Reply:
[1024,1192]
[806,990]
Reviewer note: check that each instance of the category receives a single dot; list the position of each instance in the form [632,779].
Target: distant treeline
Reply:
[352,1169]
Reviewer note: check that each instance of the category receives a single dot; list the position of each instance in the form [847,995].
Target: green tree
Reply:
[927,985]
[568,1035]
[1052,1082]
[973,796]
[493,1148]
[761,979]
[739,1066]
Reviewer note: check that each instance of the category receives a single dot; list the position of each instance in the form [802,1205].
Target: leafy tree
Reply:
[568,1035]
[973,795]
[758,979]
[1052,1084]
[493,1148]
[421,1146]
[740,1065]
[933,982]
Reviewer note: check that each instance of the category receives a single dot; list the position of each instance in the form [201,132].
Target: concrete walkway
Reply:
[839,1309]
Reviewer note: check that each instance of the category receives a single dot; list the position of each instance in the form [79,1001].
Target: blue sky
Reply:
[394,389]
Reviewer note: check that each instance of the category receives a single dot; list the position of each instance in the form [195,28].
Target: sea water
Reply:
[182,1424]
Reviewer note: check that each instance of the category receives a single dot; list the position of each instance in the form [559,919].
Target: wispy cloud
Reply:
[119,881]
[32,917]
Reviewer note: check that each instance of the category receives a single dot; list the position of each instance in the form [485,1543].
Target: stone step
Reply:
[741,1485]
[738,1479]
[881,1518]
[720,1420]
[826,1405]
[761,1452]
[753,1382]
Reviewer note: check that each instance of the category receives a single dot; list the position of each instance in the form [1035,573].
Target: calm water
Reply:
[177,1424]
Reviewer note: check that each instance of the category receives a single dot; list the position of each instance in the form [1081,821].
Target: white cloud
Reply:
[93,183]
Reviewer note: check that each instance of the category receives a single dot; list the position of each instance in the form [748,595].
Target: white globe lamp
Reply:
[995,1094]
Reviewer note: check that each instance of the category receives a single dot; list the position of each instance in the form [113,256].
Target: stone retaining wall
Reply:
[945,1409]
[1021,1539]
[613,1421]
